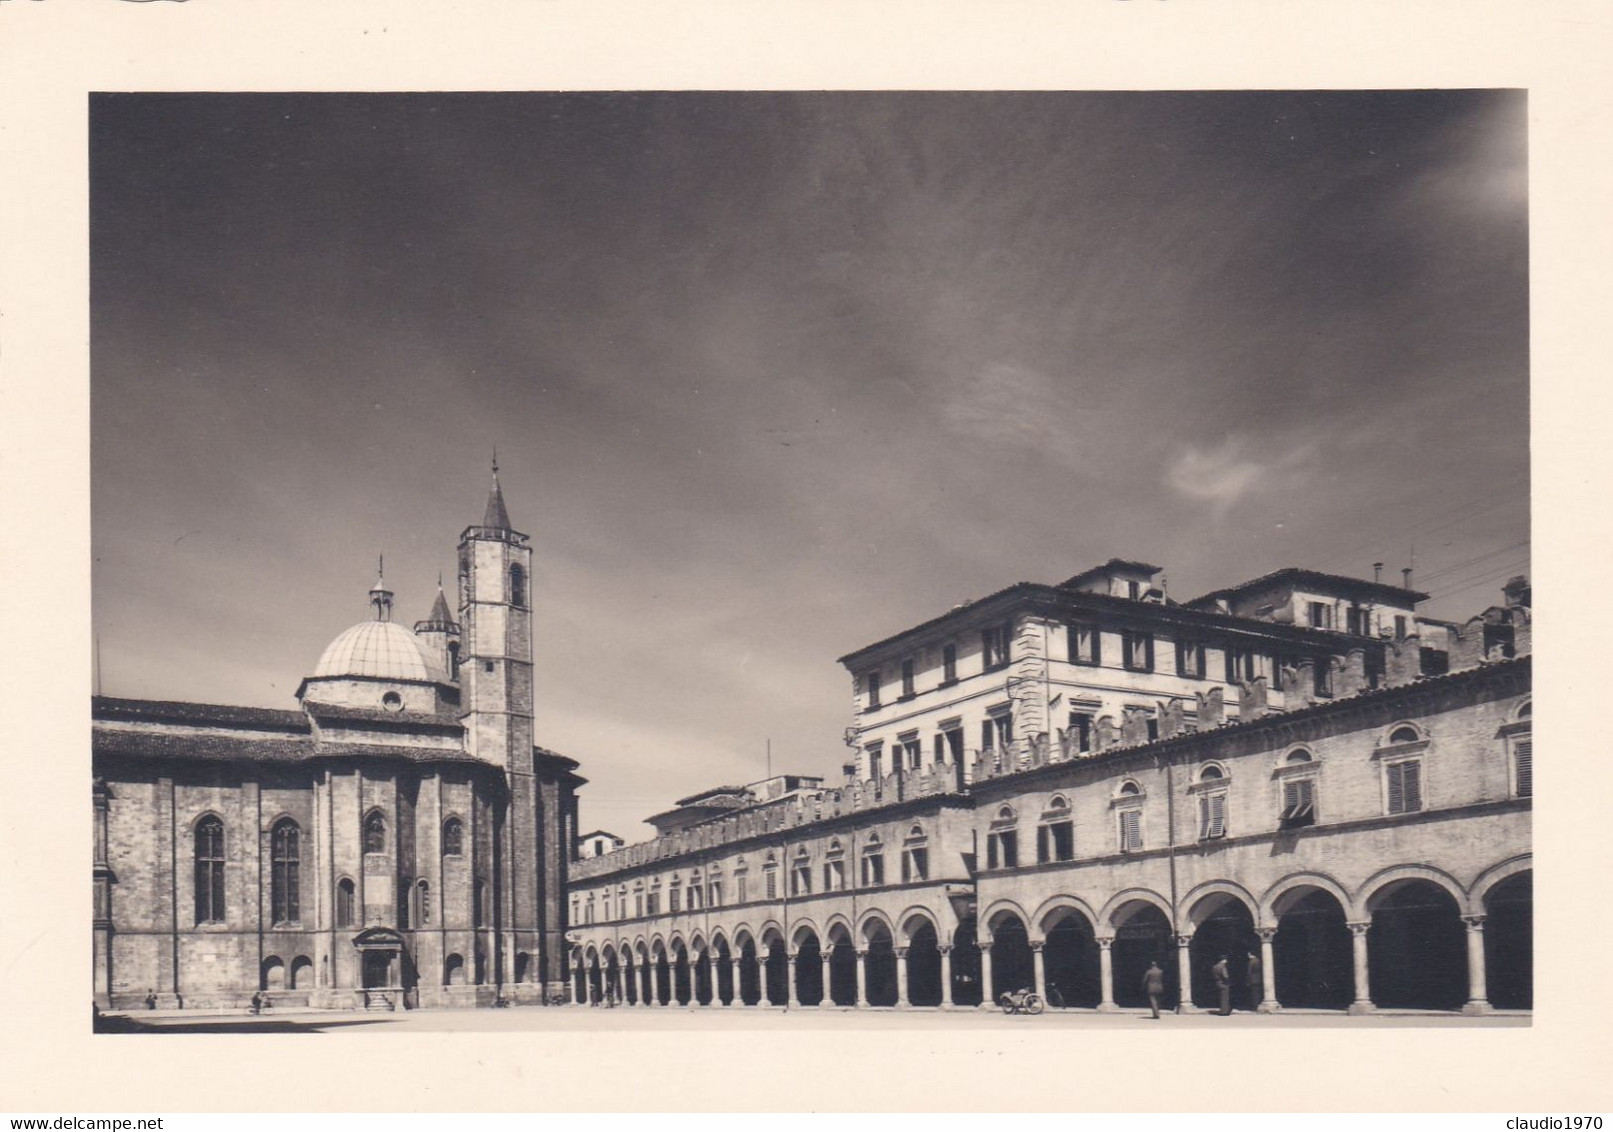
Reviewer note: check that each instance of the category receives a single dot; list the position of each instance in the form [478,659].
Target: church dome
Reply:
[381,649]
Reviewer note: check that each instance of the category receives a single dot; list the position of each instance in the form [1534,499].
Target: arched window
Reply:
[1055,836]
[453,660]
[422,904]
[1002,841]
[374,832]
[284,872]
[834,867]
[801,874]
[517,585]
[915,856]
[1211,773]
[873,862]
[344,903]
[1525,711]
[1129,788]
[1298,755]
[1404,735]
[453,837]
[210,870]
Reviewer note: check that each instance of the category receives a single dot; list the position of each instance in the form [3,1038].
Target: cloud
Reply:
[1223,475]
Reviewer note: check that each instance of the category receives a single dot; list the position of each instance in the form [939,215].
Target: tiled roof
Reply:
[178,711]
[1327,581]
[399,719]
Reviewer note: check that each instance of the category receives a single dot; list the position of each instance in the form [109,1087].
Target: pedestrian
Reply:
[151,1000]
[1154,985]
[1257,991]
[1223,986]
[257,1002]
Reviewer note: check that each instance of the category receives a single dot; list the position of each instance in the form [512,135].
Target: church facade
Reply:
[395,841]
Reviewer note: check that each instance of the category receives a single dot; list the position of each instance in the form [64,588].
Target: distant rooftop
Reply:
[1317,579]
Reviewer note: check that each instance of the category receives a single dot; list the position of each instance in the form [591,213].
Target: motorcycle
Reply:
[1023,1001]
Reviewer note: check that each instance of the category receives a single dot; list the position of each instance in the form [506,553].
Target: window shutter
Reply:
[1523,753]
[1204,816]
[991,851]
[1131,829]
[1412,774]
[1218,815]
[1397,796]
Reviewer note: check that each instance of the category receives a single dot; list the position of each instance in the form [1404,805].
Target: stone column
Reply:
[901,976]
[1039,966]
[1268,973]
[1106,974]
[862,979]
[1184,975]
[946,976]
[736,984]
[987,998]
[828,999]
[710,963]
[792,996]
[1478,997]
[1363,991]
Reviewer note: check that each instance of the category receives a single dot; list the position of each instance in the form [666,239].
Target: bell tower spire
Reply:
[496,517]
[380,596]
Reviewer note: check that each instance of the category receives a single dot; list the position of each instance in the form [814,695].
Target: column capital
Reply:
[944,948]
[1474,923]
[1184,940]
[1105,942]
[862,953]
[1359,927]
[1266,934]
[1038,944]
[901,953]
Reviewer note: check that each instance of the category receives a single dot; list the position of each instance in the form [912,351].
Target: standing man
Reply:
[1223,986]
[1257,993]
[1154,985]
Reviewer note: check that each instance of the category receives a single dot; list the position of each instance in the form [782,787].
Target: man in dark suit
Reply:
[1223,985]
[1257,992]
[1154,986]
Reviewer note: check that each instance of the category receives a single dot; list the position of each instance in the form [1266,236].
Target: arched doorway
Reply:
[809,989]
[1224,928]
[879,966]
[842,988]
[682,988]
[1509,943]
[777,972]
[1311,952]
[1142,936]
[725,989]
[663,978]
[966,988]
[701,976]
[1417,948]
[630,978]
[595,983]
[1070,960]
[1012,967]
[613,977]
[923,964]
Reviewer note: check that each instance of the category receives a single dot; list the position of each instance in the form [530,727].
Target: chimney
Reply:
[1377,571]
[1405,577]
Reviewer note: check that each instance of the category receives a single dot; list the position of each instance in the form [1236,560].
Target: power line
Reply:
[1484,577]
[1460,513]
[1463,565]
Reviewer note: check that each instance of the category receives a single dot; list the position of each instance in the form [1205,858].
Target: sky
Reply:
[771,376]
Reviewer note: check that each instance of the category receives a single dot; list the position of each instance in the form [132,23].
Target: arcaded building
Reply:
[395,840]
[1056,785]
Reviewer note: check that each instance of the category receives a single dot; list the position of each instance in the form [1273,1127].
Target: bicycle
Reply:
[1024,1001]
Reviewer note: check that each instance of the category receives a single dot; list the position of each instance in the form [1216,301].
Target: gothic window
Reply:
[1055,837]
[453,838]
[1002,841]
[873,862]
[374,832]
[915,856]
[210,871]
[284,869]
[517,586]
[422,904]
[344,903]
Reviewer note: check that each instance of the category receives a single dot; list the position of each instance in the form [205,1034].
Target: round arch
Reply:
[1494,875]
[697,943]
[1281,895]
[914,919]
[1200,903]
[1055,909]
[803,929]
[769,933]
[994,916]
[590,954]
[742,937]
[868,919]
[838,923]
[677,943]
[1381,883]
[1126,903]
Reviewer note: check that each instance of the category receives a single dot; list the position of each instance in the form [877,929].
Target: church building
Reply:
[394,841]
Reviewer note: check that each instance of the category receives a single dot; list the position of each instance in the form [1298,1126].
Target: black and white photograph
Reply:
[570,550]
[654,573]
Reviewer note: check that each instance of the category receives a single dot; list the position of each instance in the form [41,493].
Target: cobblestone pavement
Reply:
[583,1019]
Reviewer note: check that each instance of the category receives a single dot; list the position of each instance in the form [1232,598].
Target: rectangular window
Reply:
[1239,665]
[1137,651]
[716,894]
[1359,621]
[915,864]
[994,646]
[1134,590]
[996,732]
[1055,841]
[907,677]
[1002,849]
[871,685]
[1190,660]
[834,876]
[1400,627]
[638,904]
[873,869]
[1523,763]
[912,752]
[1084,643]
[876,762]
[1131,830]
[954,738]
[1212,816]
[1320,615]
[949,664]
[694,897]
[741,883]
[1322,676]
[674,898]
[772,884]
[1299,803]
[1405,787]
[801,879]
[1081,731]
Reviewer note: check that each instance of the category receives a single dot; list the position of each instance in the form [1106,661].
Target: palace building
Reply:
[396,840]
[1053,786]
